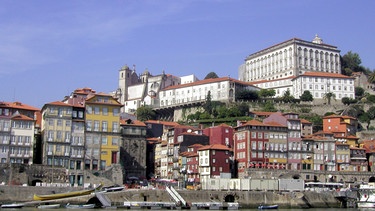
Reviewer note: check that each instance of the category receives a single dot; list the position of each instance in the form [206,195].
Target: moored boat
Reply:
[13,205]
[65,195]
[49,206]
[366,196]
[80,206]
[268,207]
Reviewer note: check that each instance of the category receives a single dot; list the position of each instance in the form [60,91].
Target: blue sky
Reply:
[49,48]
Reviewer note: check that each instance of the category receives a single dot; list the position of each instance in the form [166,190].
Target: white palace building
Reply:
[298,65]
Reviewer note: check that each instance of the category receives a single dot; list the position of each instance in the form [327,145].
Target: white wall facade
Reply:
[319,85]
[221,89]
[290,58]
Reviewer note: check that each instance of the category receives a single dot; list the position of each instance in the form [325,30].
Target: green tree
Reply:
[208,106]
[328,97]
[269,106]
[359,92]
[287,97]
[264,93]
[351,61]
[247,95]
[306,96]
[371,77]
[145,113]
[211,75]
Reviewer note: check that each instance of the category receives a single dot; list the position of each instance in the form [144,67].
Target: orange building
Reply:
[340,125]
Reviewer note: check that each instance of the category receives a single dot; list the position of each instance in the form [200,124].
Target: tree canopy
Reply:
[145,113]
[306,96]
[211,75]
[351,62]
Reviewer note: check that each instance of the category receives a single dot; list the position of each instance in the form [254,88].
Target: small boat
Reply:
[268,207]
[49,206]
[113,188]
[65,195]
[13,205]
[80,206]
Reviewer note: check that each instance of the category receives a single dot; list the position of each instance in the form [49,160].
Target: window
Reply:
[253,134]
[115,141]
[104,126]
[96,125]
[88,125]
[115,127]
[96,110]
[214,160]
[96,140]
[105,111]
[115,112]
[104,140]
[89,109]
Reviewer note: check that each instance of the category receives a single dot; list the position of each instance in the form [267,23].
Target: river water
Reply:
[311,209]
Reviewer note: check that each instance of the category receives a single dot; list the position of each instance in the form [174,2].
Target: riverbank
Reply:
[246,199]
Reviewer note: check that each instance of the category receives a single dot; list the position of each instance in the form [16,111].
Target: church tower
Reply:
[127,77]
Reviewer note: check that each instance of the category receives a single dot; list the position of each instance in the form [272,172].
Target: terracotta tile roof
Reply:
[58,103]
[369,145]
[276,124]
[132,122]
[338,116]
[324,74]
[22,117]
[207,81]
[215,147]
[262,113]
[195,145]
[265,81]
[254,122]
[85,90]
[304,121]
[162,122]
[17,105]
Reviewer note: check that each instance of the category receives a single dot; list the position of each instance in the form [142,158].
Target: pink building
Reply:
[293,123]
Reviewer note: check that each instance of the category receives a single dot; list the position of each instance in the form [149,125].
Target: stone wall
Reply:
[246,199]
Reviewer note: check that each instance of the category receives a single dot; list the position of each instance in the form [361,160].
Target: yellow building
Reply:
[102,130]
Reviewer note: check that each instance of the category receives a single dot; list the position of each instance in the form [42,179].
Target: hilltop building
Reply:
[297,65]
[137,90]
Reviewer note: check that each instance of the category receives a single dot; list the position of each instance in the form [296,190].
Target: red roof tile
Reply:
[324,74]
[207,81]
[215,147]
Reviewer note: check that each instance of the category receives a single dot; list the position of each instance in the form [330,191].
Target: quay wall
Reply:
[246,199]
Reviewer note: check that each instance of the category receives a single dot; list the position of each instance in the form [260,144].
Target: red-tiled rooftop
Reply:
[17,105]
[22,117]
[207,81]
[324,74]
[215,147]
[162,122]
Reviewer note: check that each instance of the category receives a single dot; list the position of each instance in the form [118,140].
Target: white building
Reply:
[221,89]
[138,90]
[291,65]
[321,83]
[291,58]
